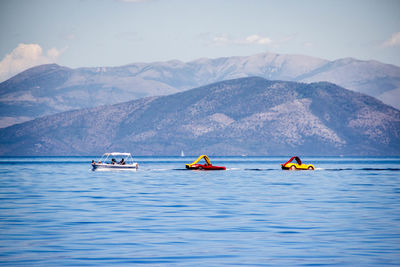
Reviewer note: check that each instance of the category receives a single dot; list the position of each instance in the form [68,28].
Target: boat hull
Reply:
[205,167]
[97,166]
[294,166]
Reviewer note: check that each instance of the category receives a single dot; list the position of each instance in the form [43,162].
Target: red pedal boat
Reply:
[207,166]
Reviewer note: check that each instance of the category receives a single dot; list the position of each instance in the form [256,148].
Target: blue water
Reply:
[55,211]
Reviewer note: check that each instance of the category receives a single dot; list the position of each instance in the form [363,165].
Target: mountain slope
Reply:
[250,116]
[49,89]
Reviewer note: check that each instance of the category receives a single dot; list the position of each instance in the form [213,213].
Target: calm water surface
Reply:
[55,211]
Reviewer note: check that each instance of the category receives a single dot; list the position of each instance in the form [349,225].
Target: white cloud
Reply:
[25,56]
[308,44]
[222,39]
[254,39]
[392,41]
[128,36]
[53,54]
[70,36]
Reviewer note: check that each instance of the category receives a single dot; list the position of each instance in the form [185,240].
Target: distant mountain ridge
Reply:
[49,89]
[251,116]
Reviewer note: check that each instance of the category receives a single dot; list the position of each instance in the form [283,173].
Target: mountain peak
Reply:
[48,89]
[38,70]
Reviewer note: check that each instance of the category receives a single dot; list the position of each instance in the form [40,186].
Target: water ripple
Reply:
[254,214]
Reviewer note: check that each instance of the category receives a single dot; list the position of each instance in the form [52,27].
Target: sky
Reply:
[94,33]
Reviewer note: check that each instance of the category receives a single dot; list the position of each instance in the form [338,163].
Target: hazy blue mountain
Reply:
[251,116]
[49,89]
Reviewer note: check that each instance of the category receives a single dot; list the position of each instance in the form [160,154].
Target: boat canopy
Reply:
[117,154]
[198,159]
[292,158]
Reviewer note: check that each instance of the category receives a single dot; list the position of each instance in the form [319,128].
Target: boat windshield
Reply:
[117,158]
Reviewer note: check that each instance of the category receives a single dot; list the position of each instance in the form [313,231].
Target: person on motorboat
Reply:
[122,162]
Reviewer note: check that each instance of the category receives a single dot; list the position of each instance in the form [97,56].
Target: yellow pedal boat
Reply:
[289,165]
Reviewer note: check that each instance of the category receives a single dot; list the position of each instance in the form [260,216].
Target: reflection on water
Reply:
[55,211]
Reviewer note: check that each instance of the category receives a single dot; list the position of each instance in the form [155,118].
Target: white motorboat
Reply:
[115,160]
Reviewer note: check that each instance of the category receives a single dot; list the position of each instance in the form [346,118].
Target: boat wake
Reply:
[248,169]
[357,169]
[261,169]
[115,170]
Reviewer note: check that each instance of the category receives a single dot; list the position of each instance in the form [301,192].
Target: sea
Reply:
[56,211]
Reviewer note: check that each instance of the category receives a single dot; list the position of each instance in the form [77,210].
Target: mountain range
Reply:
[246,116]
[49,89]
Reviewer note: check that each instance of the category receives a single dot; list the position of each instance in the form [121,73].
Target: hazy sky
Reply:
[87,33]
